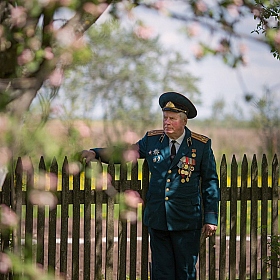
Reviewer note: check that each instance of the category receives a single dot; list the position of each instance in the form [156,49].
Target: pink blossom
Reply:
[8,218]
[243,48]
[130,137]
[201,6]
[238,2]
[5,156]
[46,181]
[27,164]
[132,198]
[5,263]
[74,168]
[84,130]
[49,53]
[65,37]
[93,9]
[145,32]
[198,51]
[18,16]
[131,155]
[26,56]
[193,30]
[129,215]
[43,198]
[256,12]
[233,10]
[56,77]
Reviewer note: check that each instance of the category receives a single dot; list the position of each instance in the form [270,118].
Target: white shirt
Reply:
[178,141]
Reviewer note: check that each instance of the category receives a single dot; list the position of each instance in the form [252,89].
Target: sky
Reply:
[216,79]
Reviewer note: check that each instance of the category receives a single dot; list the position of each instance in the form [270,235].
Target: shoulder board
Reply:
[199,137]
[155,132]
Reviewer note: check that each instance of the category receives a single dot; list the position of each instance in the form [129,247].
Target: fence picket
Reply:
[109,267]
[133,228]
[122,232]
[233,219]
[18,204]
[254,219]
[87,222]
[145,237]
[264,216]
[53,180]
[76,227]
[29,211]
[41,217]
[274,213]
[223,219]
[243,218]
[64,217]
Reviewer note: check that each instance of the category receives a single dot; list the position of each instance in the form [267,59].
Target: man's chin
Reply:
[168,132]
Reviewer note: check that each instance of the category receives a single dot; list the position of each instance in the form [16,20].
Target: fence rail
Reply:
[84,236]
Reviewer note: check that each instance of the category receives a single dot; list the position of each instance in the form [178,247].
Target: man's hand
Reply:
[209,229]
[87,155]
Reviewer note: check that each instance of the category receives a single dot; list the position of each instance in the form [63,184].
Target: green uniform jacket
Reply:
[175,195]
[178,189]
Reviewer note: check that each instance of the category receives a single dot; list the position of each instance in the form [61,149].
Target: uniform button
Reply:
[167,189]
[169,171]
[166,198]
[168,180]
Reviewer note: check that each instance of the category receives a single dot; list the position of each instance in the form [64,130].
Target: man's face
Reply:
[173,124]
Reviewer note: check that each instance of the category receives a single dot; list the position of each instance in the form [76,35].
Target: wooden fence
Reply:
[83,237]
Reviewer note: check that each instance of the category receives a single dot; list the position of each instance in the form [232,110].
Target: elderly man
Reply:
[183,194]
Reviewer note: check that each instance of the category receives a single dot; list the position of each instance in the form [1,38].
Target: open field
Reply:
[228,141]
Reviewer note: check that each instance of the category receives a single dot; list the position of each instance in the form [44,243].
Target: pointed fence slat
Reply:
[111,192]
[264,217]
[243,219]
[122,231]
[19,203]
[53,183]
[254,219]
[223,219]
[133,228]
[145,238]
[248,220]
[87,222]
[76,227]
[29,212]
[233,219]
[274,214]
[41,217]
[64,217]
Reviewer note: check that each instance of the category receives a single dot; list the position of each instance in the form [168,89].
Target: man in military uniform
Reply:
[183,194]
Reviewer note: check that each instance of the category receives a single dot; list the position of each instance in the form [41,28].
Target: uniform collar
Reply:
[180,139]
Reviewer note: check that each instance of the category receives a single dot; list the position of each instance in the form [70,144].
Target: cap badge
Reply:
[170,104]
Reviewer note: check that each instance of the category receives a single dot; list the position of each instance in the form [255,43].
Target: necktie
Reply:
[173,150]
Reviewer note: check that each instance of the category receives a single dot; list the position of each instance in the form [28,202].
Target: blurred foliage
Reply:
[124,76]
[222,19]
[266,118]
